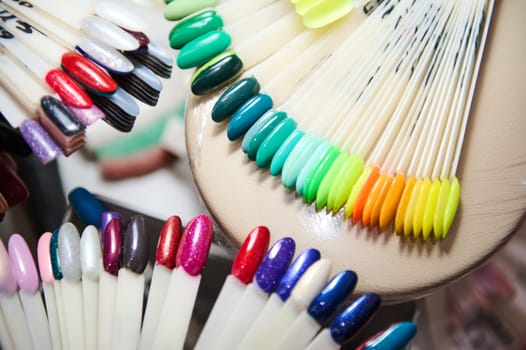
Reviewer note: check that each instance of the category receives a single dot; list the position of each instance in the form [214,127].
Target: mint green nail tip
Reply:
[178,9]
[276,165]
[193,27]
[274,140]
[216,73]
[307,169]
[202,49]
[315,177]
[262,132]
[297,160]
[254,129]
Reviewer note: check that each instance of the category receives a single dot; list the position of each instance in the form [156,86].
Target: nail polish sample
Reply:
[247,115]
[109,33]
[120,15]
[254,128]
[23,264]
[347,323]
[295,271]
[262,128]
[273,141]
[104,55]
[142,84]
[156,58]
[112,244]
[310,284]
[314,178]
[105,218]
[176,10]
[202,49]
[193,250]
[234,97]
[43,146]
[192,27]
[54,256]
[44,258]
[168,242]
[141,38]
[7,275]
[68,89]
[332,295]
[69,251]
[57,112]
[87,73]
[135,245]
[274,264]
[87,116]
[281,155]
[308,168]
[12,188]
[216,73]
[90,252]
[88,207]
[395,337]
[298,158]
[125,102]
[250,254]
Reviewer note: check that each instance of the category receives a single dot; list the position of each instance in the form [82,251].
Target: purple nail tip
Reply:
[135,245]
[295,271]
[274,264]
[23,264]
[111,250]
[7,275]
[43,146]
[87,116]
[194,245]
[105,218]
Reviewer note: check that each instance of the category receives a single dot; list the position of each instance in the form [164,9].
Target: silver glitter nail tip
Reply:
[120,15]
[104,30]
[43,146]
[104,55]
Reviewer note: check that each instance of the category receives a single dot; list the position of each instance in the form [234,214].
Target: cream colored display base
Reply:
[492,175]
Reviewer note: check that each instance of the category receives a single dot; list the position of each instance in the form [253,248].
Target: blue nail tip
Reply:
[332,295]
[247,115]
[88,207]
[396,337]
[53,256]
[295,271]
[274,264]
[347,323]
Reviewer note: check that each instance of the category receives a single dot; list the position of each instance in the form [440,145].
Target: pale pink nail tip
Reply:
[23,264]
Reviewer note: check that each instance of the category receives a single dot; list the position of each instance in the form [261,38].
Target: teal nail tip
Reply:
[276,165]
[262,134]
[396,337]
[273,141]
[297,159]
[216,75]
[254,129]
[202,49]
[247,115]
[193,27]
[233,97]
[309,166]
[54,257]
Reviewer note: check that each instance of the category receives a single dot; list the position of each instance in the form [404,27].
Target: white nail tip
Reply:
[109,33]
[69,251]
[120,15]
[90,252]
[311,283]
[105,55]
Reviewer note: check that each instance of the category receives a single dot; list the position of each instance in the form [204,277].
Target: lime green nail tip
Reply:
[262,132]
[314,179]
[307,169]
[322,196]
[452,206]
[178,9]
[297,159]
[193,27]
[344,182]
[273,141]
[202,49]
[276,165]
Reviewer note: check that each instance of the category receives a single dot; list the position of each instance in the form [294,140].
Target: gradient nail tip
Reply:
[23,264]
[250,254]
[168,242]
[274,264]
[295,271]
[44,259]
[193,250]
[135,245]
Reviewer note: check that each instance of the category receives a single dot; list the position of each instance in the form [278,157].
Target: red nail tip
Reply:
[68,89]
[88,73]
[168,242]
[195,245]
[250,254]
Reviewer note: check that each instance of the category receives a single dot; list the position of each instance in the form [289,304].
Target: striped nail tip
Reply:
[274,264]
[109,33]
[87,116]
[44,258]
[216,73]
[247,115]
[262,129]
[234,97]
[192,27]
[111,249]
[168,243]
[87,73]
[202,49]
[69,251]
[23,264]
[86,205]
[194,247]
[347,323]
[281,155]
[68,89]
[176,10]
[395,337]
[42,145]
[104,55]
[310,284]
[332,295]
[54,256]
[12,188]
[90,252]
[250,254]
[140,36]
[61,116]
[298,267]
[274,140]
[119,15]
[7,275]
[135,245]
[142,84]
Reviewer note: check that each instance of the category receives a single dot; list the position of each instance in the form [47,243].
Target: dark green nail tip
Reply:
[233,97]
[216,74]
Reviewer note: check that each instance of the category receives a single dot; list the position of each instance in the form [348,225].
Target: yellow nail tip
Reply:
[452,206]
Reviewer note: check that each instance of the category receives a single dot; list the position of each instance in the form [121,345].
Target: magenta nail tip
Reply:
[194,247]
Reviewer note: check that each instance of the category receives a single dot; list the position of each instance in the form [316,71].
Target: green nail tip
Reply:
[193,27]
[262,133]
[344,182]
[233,97]
[254,128]
[274,140]
[297,159]
[315,177]
[309,165]
[203,49]
[276,165]
[216,73]
[178,9]
[322,196]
